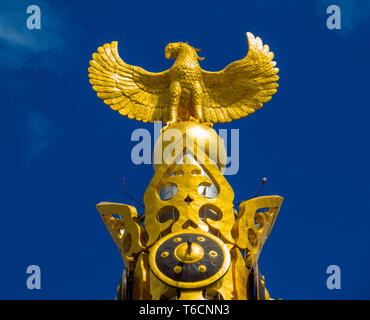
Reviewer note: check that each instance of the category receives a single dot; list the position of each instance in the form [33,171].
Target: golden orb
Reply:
[177,269]
[182,252]
[202,268]
[164,254]
[213,253]
[180,133]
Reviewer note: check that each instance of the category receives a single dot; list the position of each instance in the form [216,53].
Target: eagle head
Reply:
[173,50]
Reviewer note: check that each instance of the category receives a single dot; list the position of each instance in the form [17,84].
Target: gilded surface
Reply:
[126,231]
[252,226]
[220,269]
[190,180]
[188,194]
[185,91]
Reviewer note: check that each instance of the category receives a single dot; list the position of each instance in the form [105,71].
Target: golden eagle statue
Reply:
[185,91]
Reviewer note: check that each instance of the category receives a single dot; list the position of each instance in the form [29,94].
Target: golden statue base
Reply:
[192,244]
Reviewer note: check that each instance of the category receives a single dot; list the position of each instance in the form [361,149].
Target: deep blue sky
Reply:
[63,150]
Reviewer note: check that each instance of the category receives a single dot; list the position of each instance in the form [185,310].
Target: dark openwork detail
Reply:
[189,259]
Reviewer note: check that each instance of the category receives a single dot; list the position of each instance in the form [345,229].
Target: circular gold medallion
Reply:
[193,259]
[213,253]
[202,268]
[189,253]
[177,269]
[164,254]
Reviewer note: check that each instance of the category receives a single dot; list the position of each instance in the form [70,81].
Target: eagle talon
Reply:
[194,119]
[169,124]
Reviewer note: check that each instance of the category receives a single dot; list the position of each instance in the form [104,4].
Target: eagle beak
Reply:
[168,52]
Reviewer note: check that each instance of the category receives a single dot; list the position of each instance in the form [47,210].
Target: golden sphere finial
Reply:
[179,135]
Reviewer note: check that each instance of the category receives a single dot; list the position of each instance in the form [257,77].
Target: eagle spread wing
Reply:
[232,93]
[130,90]
[242,87]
